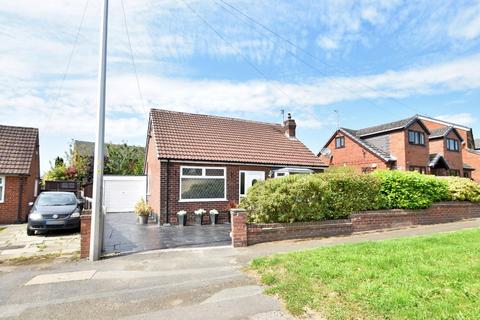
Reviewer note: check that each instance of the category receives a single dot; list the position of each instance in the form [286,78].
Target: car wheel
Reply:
[30,232]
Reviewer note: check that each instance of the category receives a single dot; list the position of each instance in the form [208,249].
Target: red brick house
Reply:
[417,143]
[199,161]
[19,172]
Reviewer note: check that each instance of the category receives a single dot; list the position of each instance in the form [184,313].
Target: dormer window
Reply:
[453,145]
[339,142]
[416,137]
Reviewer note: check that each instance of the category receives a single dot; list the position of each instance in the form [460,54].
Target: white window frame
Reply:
[203,176]
[2,184]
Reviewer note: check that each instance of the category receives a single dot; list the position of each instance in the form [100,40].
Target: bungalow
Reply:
[19,172]
[200,161]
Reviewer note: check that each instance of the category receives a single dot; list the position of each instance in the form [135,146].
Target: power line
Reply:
[69,61]
[234,48]
[311,66]
[308,53]
[133,60]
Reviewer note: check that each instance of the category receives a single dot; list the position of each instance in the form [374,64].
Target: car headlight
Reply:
[76,214]
[35,216]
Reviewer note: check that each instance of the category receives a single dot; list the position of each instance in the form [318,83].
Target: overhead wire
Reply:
[308,53]
[132,58]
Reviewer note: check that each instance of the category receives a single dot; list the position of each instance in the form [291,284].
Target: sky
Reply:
[371,61]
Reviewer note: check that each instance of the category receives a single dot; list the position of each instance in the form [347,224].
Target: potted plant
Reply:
[198,215]
[213,216]
[143,210]
[181,217]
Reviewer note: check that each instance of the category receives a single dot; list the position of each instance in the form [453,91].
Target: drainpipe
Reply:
[20,200]
[167,221]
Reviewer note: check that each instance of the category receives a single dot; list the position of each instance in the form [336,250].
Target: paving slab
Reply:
[61,277]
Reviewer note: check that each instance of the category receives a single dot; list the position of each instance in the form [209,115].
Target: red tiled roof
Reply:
[17,145]
[188,136]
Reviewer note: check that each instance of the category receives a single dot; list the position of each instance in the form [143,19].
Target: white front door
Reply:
[248,179]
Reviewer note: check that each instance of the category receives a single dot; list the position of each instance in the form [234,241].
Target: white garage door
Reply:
[122,192]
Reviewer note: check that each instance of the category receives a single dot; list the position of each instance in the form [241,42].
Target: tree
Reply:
[124,160]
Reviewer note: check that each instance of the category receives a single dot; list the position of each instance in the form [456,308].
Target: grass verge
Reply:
[432,277]
[2,228]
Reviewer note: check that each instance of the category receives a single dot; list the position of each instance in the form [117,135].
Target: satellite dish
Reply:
[326,152]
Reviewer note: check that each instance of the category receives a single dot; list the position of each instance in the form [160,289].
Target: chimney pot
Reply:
[289,126]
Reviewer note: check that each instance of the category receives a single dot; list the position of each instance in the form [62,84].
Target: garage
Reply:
[120,193]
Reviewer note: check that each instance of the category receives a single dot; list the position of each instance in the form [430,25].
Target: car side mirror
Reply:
[30,204]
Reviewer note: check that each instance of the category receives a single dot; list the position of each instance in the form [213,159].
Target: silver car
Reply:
[54,210]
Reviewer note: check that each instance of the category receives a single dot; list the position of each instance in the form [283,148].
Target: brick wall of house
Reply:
[9,207]
[152,172]
[416,155]
[172,174]
[397,148]
[353,155]
[473,159]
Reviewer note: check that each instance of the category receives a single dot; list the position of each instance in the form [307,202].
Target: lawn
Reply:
[432,277]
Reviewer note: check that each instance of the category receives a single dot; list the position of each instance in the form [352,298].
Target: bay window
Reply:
[203,184]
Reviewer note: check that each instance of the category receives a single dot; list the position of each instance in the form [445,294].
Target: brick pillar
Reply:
[239,227]
[85,220]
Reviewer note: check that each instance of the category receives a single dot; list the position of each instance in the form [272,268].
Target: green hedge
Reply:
[462,189]
[338,193]
[410,190]
[311,197]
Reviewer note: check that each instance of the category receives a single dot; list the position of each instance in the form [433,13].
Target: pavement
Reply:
[193,283]
[15,244]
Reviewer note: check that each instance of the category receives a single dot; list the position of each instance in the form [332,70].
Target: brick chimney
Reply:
[289,126]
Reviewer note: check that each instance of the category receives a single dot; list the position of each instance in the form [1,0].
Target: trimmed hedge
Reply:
[410,190]
[462,189]
[310,197]
[338,193]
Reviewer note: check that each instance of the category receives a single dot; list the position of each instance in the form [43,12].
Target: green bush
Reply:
[410,190]
[462,189]
[311,197]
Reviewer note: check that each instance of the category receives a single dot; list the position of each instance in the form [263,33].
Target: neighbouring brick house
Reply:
[199,161]
[19,172]
[418,143]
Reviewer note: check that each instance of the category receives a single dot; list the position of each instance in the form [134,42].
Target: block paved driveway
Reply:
[123,235]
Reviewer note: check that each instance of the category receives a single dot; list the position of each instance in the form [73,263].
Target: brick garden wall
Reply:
[244,234]
[85,222]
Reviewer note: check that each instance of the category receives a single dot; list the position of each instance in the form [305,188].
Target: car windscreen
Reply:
[56,199]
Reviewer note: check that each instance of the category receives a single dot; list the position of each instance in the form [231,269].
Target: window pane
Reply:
[422,138]
[203,188]
[214,172]
[1,193]
[192,171]
[411,137]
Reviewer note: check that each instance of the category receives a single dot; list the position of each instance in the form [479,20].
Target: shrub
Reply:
[410,190]
[311,197]
[462,189]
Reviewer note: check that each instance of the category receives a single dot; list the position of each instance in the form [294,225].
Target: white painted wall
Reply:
[120,193]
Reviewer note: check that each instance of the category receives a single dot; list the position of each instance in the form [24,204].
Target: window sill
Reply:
[202,200]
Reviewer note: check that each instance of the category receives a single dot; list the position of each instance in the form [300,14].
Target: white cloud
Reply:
[327,43]
[466,24]
[466,119]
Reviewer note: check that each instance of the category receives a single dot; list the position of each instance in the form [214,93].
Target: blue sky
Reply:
[373,61]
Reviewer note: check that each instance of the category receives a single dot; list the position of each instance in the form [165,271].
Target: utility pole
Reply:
[96,231]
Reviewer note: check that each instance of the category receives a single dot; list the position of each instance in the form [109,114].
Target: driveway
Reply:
[122,235]
[198,283]
[15,244]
